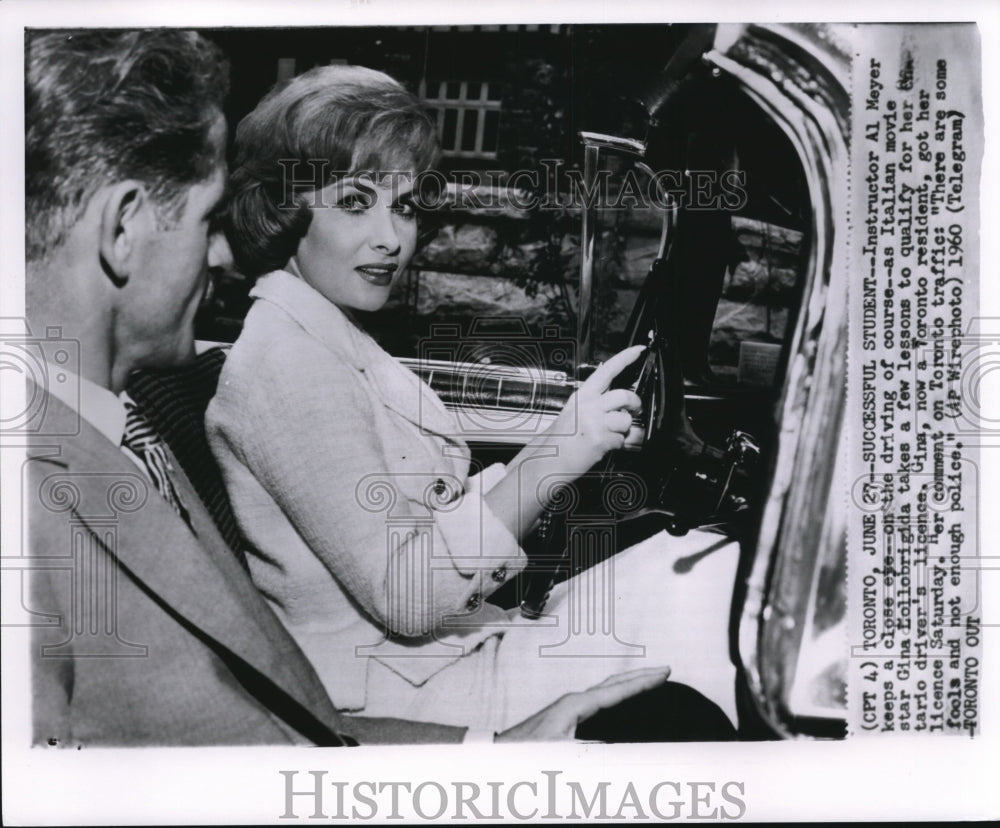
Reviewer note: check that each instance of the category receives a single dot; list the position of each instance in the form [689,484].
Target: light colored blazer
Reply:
[352,487]
[146,633]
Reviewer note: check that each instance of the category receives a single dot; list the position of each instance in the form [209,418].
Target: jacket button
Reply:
[499,574]
[440,487]
[474,601]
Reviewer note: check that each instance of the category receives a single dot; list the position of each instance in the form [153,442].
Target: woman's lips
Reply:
[376,274]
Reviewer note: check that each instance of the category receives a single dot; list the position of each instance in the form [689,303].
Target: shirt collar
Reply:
[98,406]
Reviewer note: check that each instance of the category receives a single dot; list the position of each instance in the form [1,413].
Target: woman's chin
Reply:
[373,301]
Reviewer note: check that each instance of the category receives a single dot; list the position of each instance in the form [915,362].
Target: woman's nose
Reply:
[383,236]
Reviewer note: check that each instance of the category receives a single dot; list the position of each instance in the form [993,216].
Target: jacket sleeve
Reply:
[51,678]
[307,437]
[49,592]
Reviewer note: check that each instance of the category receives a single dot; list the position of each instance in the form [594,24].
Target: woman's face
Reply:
[362,235]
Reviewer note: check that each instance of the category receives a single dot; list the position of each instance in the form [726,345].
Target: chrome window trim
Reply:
[810,409]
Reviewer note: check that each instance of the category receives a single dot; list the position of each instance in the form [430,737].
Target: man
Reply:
[157,635]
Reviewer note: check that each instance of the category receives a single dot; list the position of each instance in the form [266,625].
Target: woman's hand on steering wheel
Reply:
[596,419]
[593,422]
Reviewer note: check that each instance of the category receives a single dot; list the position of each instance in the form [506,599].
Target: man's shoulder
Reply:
[64,444]
[50,421]
[75,476]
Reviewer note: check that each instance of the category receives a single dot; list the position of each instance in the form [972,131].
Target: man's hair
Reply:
[103,106]
[330,121]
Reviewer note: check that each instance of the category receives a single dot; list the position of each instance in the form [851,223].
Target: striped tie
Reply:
[145,443]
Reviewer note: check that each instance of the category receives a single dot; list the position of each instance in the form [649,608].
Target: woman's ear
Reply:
[122,229]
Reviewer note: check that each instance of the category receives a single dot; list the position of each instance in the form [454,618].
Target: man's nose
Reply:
[219,255]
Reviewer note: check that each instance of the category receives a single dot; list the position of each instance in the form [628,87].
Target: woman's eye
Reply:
[354,203]
[405,209]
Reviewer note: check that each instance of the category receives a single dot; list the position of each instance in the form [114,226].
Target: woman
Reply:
[368,533]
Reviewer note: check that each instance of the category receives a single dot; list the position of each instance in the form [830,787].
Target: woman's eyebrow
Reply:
[398,185]
[344,183]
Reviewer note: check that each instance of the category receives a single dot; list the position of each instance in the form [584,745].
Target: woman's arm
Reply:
[301,421]
[593,422]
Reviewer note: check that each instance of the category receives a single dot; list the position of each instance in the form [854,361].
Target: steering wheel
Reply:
[686,482]
[646,377]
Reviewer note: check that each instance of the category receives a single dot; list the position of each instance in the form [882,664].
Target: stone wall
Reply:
[483,270]
[759,294]
[504,262]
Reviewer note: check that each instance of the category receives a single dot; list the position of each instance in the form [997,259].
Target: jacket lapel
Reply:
[409,396]
[198,578]
[398,388]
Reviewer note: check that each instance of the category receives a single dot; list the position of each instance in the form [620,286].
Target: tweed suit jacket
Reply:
[148,631]
[352,487]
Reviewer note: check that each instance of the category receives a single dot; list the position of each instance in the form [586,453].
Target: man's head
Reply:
[124,169]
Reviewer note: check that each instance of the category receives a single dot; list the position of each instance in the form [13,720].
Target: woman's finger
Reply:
[612,441]
[621,398]
[618,420]
[600,380]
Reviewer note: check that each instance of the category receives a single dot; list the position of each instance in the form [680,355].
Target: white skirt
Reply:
[665,601]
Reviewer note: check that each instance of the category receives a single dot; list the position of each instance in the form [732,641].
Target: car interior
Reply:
[726,270]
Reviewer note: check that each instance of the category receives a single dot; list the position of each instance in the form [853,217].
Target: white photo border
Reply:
[878,779]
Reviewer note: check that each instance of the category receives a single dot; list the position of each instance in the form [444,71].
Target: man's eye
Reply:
[215,217]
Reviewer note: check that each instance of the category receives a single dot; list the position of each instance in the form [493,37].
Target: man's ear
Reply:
[124,223]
